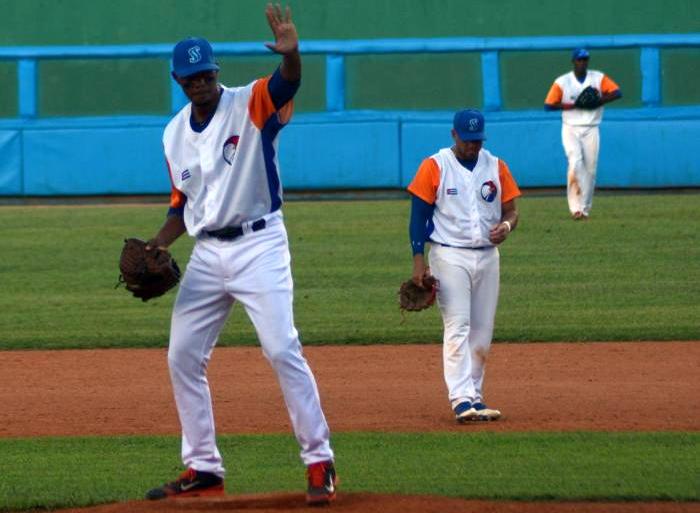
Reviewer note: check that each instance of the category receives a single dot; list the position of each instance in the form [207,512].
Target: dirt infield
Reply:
[539,387]
[375,503]
[363,388]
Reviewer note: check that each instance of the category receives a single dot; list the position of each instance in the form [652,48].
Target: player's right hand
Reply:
[498,233]
[283,28]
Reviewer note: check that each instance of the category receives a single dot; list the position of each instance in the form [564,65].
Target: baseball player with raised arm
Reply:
[463,205]
[579,133]
[221,151]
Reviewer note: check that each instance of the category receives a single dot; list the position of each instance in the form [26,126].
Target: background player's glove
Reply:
[589,99]
[147,274]
[414,298]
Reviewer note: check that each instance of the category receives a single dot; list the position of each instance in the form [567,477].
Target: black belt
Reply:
[459,247]
[233,232]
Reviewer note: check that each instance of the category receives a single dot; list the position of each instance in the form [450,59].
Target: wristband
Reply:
[510,227]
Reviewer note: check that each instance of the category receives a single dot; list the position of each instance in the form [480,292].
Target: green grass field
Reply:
[631,272]
[69,472]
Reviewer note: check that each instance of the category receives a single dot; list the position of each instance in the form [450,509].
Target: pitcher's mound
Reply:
[374,503]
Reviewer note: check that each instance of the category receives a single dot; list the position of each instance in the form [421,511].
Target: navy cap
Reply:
[193,55]
[469,125]
[580,53]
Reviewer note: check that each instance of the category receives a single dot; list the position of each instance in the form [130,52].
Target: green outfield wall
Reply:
[65,22]
[416,81]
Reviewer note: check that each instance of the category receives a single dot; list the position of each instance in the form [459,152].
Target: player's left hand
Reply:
[283,28]
[499,233]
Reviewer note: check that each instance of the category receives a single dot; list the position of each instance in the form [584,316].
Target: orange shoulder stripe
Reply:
[509,189]
[177,197]
[426,182]
[607,85]
[261,106]
[554,95]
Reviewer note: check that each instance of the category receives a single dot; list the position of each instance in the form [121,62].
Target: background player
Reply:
[463,203]
[579,133]
[221,151]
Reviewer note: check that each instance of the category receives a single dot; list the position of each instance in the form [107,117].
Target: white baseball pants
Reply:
[581,145]
[468,297]
[255,271]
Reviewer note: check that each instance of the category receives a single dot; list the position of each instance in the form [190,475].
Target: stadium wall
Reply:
[654,148]
[395,82]
[97,125]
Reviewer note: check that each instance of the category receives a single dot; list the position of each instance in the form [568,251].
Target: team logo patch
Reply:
[195,54]
[230,148]
[473,125]
[451,192]
[185,175]
[489,191]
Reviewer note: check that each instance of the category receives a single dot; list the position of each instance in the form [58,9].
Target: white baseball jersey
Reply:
[227,176]
[229,173]
[467,265]
[567,88]
[467,203]
[580,135]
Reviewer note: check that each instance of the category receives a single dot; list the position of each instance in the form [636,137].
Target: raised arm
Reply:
[286,41]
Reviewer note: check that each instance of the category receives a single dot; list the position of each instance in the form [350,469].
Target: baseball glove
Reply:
[414,298]
[147,274]
[589,99]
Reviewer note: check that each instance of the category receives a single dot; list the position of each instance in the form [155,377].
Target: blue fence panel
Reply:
[342,148]
[340,155]
[10,163]
[491,77]
[335,50]
[335,82]
[27,84]
[650,63]
[658,152]
[89,161]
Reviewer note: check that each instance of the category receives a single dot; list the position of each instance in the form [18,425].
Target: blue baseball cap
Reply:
[469,125]
[580,53]
[193,55]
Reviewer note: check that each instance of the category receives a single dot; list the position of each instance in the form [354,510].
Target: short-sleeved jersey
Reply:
[567,88]
[229,173]
[467,203]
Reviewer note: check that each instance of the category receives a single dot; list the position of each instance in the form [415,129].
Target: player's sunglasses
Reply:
[207,76]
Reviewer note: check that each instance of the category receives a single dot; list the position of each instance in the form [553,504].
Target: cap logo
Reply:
[473,125]
[195,54]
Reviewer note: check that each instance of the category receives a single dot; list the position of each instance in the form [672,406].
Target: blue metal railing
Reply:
[650,46]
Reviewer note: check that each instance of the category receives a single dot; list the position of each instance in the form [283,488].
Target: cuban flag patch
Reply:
[451,192]
[185,175]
